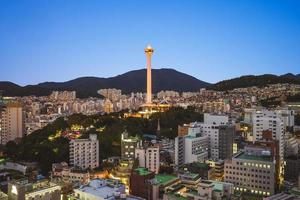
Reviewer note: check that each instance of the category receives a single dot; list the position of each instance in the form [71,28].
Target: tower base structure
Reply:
[148,109]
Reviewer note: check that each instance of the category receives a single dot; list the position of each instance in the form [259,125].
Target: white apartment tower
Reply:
[84,153]
[286,115]
[191,148]
[148,158]
[211,139]
[270,121]
[11,122]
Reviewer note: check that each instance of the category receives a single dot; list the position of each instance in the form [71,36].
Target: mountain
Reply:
[291,76]
[133,81]
[11,89]
[259,81]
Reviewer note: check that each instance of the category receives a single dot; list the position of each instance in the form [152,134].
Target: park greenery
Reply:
[44,147]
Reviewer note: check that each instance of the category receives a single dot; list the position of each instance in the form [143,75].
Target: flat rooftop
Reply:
[102,188]
[201,165]
[176,196]
[164,179]
[142,171]
[245,156]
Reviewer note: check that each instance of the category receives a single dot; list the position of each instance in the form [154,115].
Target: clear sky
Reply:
[58,40]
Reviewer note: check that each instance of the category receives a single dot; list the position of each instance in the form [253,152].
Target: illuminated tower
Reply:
[149,51]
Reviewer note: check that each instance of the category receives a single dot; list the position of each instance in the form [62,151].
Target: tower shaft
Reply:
[149,51]
[149,80]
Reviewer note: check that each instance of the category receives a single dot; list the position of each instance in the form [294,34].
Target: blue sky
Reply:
[58,40]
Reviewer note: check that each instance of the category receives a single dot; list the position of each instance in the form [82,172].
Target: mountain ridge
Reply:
[255,80]
[132,81]
[135,81]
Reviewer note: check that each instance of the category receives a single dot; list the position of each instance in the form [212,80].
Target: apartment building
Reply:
[149,158]
[128,145]
[84,153]
[12,122]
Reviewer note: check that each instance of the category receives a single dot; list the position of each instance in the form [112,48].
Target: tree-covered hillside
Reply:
[249,81]
[47,145]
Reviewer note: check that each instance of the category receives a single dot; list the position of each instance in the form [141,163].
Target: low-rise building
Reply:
[206,190]
[189,179]
[42,190]
[70,175]
[101,189]
[202,169]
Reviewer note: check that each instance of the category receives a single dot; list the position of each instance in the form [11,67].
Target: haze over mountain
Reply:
[135,81]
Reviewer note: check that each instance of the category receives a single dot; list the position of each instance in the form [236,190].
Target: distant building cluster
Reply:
[239,150]
[39,111]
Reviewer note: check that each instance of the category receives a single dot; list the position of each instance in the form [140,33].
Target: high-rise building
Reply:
[84,153]
[269,121]
[291,145]
[285,114]
[219,135]
[63,95]
[149,158]
[128,145]
[253,171]
[12,122]
[225,140]
[292,168]
[191,148]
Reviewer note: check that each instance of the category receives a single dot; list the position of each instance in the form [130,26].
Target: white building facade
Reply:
[148,158]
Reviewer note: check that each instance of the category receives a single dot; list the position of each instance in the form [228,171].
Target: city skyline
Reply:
[60,41]
[149,100]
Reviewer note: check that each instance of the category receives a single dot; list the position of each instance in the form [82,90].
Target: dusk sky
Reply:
[58,40]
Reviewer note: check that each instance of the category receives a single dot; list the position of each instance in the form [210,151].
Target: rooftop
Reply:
[102,188]
[245,156]
[164,179]
[176,196]
[201,165]
[142,171]
[189,175]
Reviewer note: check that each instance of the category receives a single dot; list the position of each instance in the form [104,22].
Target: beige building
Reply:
[11,122]
[70,175]
[84,153]
[252,171]
[41,190]
[205,190]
